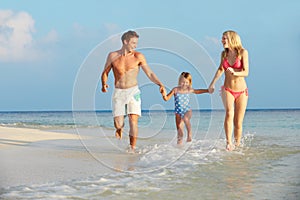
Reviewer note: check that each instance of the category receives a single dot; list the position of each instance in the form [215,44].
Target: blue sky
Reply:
[44,45]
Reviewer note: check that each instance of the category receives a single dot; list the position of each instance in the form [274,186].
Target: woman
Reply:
[234,92]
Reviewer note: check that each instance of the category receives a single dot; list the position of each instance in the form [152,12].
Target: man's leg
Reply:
[133,131]
[119,125]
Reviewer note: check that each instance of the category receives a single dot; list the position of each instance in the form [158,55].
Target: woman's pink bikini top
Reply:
[237,64]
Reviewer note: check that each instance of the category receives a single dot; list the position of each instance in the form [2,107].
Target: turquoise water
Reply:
[265,167]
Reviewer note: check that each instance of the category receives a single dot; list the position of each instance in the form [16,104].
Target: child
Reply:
[183,112]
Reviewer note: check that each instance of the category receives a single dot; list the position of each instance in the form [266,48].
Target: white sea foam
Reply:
[158,167]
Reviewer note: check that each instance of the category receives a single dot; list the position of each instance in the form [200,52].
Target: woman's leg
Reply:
[228,102]
[239,113]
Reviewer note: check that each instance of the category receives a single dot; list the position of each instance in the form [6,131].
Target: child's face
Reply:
[183,82]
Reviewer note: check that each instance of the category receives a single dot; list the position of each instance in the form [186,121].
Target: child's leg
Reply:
[179,127]
[187,117]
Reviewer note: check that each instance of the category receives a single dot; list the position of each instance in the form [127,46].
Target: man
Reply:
[125,64]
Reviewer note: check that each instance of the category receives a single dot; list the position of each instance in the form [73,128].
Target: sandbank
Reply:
[31,156]
[22,136]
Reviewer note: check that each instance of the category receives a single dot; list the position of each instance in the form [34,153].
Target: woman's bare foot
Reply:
[237,143]
[230,147]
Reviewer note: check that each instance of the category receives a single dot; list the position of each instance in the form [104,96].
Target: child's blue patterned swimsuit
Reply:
[182,103]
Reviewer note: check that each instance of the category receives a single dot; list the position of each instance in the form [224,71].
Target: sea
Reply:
[266,166]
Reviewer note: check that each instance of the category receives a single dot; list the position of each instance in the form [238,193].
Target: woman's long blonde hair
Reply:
[235,43]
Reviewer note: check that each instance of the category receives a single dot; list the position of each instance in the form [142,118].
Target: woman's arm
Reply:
[245,71]
[218,74]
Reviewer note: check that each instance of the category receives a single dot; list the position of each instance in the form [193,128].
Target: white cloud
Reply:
[213,40]
[213,47]
[51,37]
[16,37]
[79,30]
[112,28]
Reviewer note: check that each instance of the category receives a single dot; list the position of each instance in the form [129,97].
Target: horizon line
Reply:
[146,110]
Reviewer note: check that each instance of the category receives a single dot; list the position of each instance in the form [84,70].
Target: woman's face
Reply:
[225,41]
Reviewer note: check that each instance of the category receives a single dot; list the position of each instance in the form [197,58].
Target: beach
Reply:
[42,158]
[31,156]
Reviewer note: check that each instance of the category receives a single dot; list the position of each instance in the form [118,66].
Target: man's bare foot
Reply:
[119,133]
[131,149]
[179,141]
[189,139]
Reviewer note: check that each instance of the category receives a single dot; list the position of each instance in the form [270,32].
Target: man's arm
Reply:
[149,73]
[104,76]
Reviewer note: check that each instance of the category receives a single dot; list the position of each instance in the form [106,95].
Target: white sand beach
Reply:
[21,136]
[31,156]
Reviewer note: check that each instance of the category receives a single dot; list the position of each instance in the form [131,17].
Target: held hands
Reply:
[162,89]
[104,87]
[163,92]
[211,89]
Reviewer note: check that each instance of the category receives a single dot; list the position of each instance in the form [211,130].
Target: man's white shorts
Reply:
[126,101]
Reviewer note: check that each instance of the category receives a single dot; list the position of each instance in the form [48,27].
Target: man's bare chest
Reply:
[124,63]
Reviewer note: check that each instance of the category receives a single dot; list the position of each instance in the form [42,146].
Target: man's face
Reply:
[131,44]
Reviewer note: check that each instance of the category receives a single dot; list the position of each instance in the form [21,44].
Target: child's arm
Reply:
[167,97]
[200,91]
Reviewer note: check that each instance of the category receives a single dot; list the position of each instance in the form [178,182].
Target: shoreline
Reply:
[143,110]
[32,156]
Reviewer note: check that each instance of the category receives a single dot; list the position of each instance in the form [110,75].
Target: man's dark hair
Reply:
[128,35]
